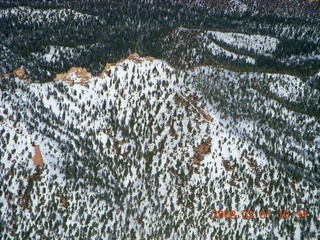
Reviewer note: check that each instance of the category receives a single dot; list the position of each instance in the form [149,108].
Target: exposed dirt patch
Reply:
[173,133]
[5,75]
[137,59]
[31,179]
[265,184]
[116,144]
[63,200]
[37,158]
[19,72]
[38,162]
[203,149]
[106,68]
[227,165]
[190,103]
[116,147]
[181,102]
[233,184]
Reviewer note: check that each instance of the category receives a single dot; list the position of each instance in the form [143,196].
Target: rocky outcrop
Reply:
[75,76]
[201,151]
[37,158]
[133,56]
[106,68]
[78,75]
[20,72]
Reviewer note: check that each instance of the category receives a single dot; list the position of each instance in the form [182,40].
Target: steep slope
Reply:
[140,153]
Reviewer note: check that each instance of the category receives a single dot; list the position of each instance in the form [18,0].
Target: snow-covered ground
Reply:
[121,156]
[264,45]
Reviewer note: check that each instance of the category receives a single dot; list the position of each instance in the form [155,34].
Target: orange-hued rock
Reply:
[20,72]
[106,68]
[37,158]
[76,75]
[133,56]
[149,58]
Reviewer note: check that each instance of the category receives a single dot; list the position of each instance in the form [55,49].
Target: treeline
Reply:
[113,29]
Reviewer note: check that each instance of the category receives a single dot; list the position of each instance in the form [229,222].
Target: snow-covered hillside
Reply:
[146,151]
[195,46]
[263,45]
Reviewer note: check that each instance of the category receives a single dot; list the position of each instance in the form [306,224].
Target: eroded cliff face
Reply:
[20,73]
[79,75]
[76,75]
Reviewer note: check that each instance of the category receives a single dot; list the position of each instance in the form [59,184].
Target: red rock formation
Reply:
[74,76]
[37,158]
[20,73]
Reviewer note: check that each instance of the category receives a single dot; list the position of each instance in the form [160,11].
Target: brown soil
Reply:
[116,147]
[233,184]
[38,162]
[63,200]
[31,179]
[201,150]
[252,164]
[204,148]
[37,158]
[133,56]
[227,165]
[137,59]
[85,76]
